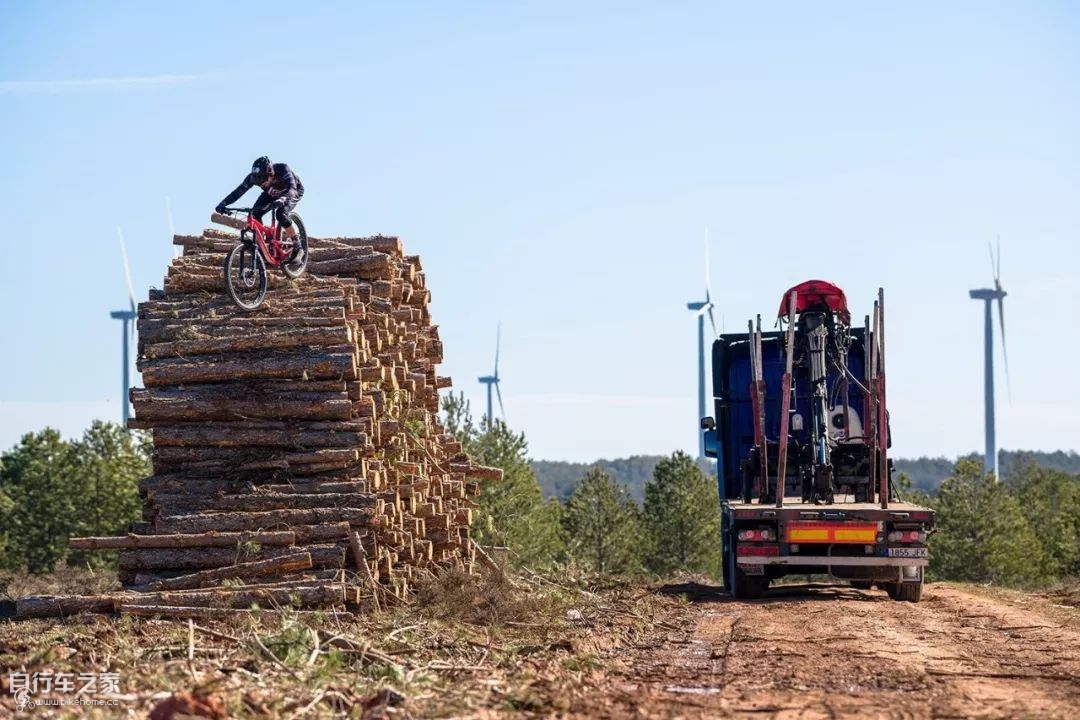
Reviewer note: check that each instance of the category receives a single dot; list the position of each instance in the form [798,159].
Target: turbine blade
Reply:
[127,268]
[997,267]
[1004,347]
[498,341]
[707,268]
[172,228]
[712,321]
[498,393]
[993,269]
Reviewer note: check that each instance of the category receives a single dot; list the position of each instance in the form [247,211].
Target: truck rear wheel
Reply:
[906,592]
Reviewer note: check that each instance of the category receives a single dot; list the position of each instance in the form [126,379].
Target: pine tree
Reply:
[602,525]
[512,511]
[682,518]
[1050,500]
[108,462]
[37,477]
[982,534]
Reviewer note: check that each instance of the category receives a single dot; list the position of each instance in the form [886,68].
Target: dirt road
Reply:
[827,652]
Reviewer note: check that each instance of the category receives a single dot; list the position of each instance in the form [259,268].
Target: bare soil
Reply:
[534,648]
[829,651]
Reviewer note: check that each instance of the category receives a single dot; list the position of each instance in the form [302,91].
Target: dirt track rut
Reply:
[827,652]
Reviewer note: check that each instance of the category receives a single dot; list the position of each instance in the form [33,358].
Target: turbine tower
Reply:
[702,308]
[493,380]
[128,330]
[988,296]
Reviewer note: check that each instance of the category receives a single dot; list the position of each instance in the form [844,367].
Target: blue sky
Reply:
[558,166]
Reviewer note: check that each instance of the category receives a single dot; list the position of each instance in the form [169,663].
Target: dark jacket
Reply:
[286,184]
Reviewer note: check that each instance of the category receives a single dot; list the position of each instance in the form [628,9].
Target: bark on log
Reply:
[366,267]
[330,363]
[271,597]
[228,221]
[164,405]
[195,559]
[201,613]
[237,522]
[160,331]
[284,564]
[220,437]
[50,607]
[199,540]
[381,243]
[170,504]
[244,341]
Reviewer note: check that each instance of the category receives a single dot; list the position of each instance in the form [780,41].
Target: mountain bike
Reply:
[261,245]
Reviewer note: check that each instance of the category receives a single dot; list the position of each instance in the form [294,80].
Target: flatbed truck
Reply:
[801,438]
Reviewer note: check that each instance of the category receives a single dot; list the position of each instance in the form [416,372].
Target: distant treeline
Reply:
[557,479]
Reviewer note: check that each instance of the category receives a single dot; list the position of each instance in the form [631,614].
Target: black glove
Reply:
[220,209]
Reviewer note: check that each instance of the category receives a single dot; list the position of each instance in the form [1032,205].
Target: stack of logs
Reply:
[298,455]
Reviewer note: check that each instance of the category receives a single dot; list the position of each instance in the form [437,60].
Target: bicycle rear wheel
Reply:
[245,276]
[297,262]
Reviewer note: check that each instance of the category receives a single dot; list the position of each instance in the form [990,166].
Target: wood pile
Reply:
[298,455]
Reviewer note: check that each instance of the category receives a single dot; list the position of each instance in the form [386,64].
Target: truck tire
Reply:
[749,587]
[905,592]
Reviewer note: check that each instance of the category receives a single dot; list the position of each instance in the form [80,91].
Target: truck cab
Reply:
[801,438]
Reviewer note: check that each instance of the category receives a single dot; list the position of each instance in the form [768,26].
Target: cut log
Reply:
[234,435]
[375,266]
[202,613]
[243,341]
[50,607]
[237,522]
[157,406]
[329,363]
[200,540]
[282,565]
[169,504]
[270,597]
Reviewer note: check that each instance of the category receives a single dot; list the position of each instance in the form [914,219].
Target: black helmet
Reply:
[261,169]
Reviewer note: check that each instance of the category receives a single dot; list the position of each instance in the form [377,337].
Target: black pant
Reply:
[281,211]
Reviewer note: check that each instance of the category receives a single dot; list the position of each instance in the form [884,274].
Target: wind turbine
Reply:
[493,379]
[702,308]
[988,296]
[128,318]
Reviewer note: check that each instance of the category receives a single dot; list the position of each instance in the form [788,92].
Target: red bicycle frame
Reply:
[266,237]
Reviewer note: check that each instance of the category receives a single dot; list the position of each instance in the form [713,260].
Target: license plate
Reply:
[914,552]
[752,569]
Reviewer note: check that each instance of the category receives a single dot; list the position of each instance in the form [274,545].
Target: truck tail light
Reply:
[758,535]
[907,536]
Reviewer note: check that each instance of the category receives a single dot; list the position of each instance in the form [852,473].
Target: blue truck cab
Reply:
[801,437]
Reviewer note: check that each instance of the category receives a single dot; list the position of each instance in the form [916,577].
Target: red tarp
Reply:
[817,293]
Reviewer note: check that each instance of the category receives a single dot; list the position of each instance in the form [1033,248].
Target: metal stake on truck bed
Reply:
[756,402]
[870,410]
[760,381]
[785,395]
[883,418]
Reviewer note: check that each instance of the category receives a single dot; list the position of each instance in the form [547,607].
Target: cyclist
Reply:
[281,191]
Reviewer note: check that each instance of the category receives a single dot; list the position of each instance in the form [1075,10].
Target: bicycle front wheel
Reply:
[245,276]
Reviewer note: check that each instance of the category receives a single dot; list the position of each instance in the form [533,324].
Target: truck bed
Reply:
[842,507]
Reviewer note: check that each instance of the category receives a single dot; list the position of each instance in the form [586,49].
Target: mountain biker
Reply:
[281,191]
